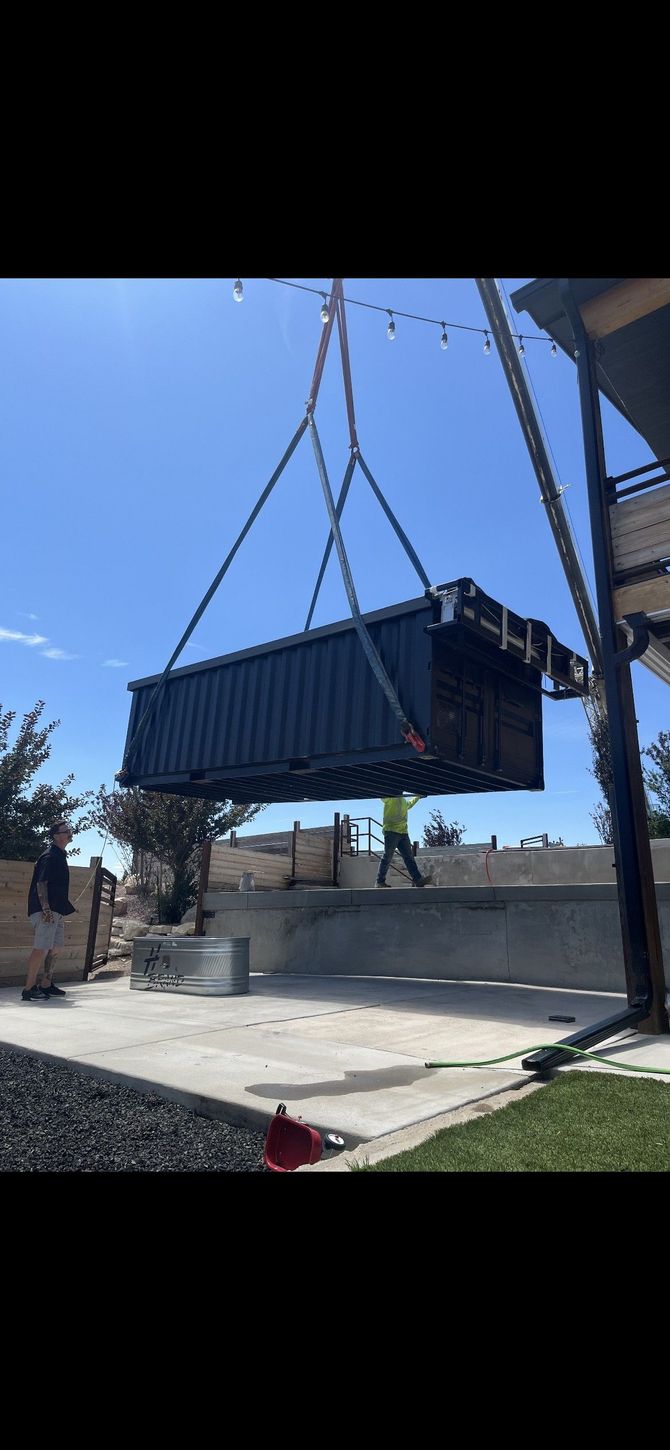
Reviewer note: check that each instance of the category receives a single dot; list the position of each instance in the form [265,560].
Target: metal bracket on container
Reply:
[448,602]
[503,628]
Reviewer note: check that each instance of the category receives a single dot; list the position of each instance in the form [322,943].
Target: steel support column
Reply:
[640,931]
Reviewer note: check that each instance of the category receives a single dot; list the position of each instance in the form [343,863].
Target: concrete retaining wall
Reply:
[550,936]
[555,866]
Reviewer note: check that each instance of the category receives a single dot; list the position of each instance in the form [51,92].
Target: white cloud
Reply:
[24,615]
[16,637]
[114,664]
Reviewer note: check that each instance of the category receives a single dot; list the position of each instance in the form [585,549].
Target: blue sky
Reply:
[141,418]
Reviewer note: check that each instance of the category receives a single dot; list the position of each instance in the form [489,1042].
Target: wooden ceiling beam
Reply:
[632,299]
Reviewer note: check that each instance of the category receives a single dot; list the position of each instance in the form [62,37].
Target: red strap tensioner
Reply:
[413,738]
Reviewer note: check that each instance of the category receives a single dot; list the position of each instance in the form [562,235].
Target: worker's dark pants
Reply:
[394,841]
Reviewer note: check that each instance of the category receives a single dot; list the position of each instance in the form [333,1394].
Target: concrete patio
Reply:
[347,1054]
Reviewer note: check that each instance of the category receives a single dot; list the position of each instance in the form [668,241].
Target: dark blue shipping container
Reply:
[304,718]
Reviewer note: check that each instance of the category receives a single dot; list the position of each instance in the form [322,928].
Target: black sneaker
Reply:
[53,991]
[33,994]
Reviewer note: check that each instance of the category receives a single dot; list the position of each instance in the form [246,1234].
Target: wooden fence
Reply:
[87,932]
[292,859]
[227,863]
[313,858]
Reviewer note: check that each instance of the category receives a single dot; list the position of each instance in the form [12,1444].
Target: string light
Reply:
[238,291]
[415,317]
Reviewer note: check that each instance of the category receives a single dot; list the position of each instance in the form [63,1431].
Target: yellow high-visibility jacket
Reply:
[395,811]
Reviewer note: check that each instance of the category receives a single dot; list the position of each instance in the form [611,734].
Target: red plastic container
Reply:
[290,1143]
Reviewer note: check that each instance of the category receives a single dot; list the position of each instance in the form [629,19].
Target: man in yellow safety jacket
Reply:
[397,839]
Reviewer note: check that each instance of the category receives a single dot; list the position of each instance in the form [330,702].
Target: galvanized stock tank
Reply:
[200,966]
[304,718]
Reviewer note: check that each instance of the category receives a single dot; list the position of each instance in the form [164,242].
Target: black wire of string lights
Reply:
[392,313]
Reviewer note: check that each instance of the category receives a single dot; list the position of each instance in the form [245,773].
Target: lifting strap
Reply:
[132,747]
[356,457]
[407,729]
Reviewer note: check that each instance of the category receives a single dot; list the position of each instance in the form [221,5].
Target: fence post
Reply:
[93,920]
[336,847]
[494,843]
[294,843]
[202,885]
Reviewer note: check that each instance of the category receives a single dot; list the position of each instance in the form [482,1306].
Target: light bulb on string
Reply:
[390,331]
[487,344]
[444,340]
[238,290]
[324,310]
[521,346]
[553,349]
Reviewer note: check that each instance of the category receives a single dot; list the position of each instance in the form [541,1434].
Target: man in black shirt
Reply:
[48,904]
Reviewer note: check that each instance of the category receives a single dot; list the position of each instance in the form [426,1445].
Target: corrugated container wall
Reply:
[304,718]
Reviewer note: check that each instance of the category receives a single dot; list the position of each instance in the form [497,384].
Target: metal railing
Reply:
[357,838]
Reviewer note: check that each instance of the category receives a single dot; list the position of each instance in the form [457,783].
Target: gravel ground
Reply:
[54,1119]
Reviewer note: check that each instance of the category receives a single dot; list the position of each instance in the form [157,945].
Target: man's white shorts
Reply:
[47,933]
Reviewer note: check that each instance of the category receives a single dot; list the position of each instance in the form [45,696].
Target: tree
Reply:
[170,828]
[657,783]
[601,770]
[25,814]
[656,779]
[438,833]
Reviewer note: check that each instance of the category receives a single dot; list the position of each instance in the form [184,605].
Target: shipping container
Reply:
[304,718]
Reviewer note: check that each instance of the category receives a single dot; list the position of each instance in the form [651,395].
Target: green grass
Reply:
[581,1122]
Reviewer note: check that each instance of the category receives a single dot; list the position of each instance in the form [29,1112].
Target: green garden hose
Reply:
[540,1046]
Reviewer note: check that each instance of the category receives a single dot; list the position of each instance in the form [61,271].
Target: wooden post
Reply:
[494,843]
[202,885]
[294,842]
[336,846]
